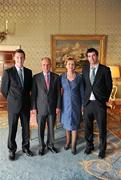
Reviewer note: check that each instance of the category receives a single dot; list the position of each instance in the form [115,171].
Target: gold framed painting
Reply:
[76,46]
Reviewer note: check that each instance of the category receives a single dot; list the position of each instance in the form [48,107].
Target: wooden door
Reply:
[6,61]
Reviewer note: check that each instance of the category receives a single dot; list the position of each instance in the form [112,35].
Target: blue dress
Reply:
[71,102]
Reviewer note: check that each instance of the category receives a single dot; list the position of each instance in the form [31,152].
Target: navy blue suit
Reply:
[18,99]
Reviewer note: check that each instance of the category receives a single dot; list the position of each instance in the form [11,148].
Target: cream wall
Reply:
[32,22]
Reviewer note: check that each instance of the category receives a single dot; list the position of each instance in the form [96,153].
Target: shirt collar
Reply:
[96,66]
[46,73]
[19,68]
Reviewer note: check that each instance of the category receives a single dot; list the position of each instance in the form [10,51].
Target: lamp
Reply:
[3,34]
[115,72]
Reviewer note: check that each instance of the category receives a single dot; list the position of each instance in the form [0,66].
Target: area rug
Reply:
[61,166]
[110,167]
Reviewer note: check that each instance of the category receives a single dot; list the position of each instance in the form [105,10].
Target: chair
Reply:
[111,103]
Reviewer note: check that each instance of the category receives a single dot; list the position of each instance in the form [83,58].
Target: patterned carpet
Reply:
[110,167]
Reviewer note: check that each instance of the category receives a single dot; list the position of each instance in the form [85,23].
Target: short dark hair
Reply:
[92,50]
[20,51]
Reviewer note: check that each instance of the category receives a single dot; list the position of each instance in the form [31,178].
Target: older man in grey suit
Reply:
[46,102]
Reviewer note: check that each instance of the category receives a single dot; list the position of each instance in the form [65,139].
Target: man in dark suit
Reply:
[46,101]
[16,87]
[97,85]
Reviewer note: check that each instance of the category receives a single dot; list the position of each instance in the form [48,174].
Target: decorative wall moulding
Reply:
[9,47]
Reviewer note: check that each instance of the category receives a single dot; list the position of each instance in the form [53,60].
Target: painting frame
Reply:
[76,46]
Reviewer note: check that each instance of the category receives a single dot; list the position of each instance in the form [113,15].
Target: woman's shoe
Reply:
[73,151]
[66,147]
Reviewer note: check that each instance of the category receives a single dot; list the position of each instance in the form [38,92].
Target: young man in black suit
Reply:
[97,86]
[46,102]
[16,87]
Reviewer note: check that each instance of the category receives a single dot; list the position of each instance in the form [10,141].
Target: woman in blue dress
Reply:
[72,96]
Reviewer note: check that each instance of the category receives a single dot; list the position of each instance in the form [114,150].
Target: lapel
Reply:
[87,74]
[67,82]
[51,80]
[25,77]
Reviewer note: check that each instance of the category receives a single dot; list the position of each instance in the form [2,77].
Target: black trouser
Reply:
[95,111]
[42,119]
[13,124]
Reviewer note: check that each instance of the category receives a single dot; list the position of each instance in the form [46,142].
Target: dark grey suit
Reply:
[18,99]
[45,102]
[97,109]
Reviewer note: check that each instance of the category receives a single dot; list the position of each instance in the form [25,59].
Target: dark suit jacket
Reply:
[102,85]
[11,88]
[42,100]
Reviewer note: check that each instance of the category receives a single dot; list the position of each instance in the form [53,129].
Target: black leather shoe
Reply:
[101,155]
[88,150]
[12,155]
[41,151]
[52,149]
[66,147]
[28,152]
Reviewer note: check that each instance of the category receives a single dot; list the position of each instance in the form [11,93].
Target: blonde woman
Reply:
[72,95]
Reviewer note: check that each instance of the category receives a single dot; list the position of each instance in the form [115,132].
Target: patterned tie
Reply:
[21,77]
[92,77]
[47,81]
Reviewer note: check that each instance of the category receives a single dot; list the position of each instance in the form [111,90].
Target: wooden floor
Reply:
[114,123]
[3,119]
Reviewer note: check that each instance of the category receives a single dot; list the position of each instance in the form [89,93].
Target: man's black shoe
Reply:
[88,150]
[12,155]
[41,151]
[28,152]
[101,155]
[52,149]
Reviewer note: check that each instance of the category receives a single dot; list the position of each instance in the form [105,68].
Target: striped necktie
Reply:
[92,76]
[47,81]
[21,77]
